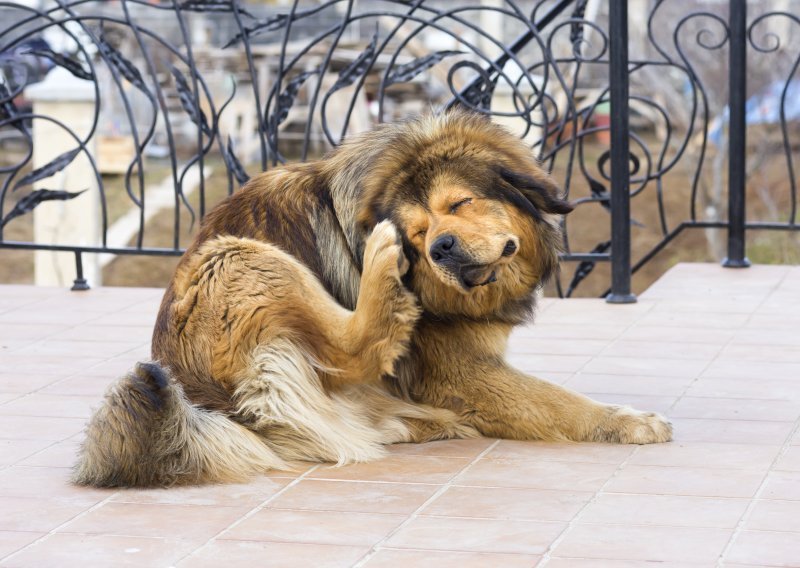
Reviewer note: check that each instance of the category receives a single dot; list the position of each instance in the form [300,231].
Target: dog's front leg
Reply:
[379,330]
[500,401]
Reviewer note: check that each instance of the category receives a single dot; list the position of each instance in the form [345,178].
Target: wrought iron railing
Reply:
[185,77]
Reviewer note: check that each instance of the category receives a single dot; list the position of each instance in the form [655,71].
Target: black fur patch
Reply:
[541,197]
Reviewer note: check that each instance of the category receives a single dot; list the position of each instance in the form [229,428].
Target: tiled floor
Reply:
[717,350]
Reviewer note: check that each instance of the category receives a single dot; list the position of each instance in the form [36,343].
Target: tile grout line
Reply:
[757,495]
[55,530]
[727,343]
[608,344]
[575,519]
[445,486]
[249,513]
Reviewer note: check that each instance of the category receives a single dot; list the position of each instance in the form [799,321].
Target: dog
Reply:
[330,308]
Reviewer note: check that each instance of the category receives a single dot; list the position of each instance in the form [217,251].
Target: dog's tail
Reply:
[146,433]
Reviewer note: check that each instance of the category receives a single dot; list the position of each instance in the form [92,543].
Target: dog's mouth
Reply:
[475,275]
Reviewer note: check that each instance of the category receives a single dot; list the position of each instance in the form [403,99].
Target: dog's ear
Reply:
[534,195]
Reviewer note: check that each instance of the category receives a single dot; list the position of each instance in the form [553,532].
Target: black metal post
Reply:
[620,152]
[80,283]
[737,135]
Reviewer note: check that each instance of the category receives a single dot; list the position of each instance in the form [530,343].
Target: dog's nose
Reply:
[443,248]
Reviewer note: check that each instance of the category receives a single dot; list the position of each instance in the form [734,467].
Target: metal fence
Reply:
[177,75]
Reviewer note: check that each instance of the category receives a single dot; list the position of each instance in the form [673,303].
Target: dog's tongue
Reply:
[478,276]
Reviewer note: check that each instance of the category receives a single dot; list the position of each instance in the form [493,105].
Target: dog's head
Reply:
[477,214]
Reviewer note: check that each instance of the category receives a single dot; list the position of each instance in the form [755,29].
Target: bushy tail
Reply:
[147,434]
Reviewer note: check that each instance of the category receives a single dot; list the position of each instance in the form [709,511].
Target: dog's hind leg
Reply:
[260,293]
[284,400]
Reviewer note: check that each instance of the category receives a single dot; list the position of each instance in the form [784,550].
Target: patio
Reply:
[717,350]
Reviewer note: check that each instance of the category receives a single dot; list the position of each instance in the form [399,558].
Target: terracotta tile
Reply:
[555,346]
[11,541]
[445,448]
[397,558]
[400,469]
[764,336]
[103,332]
[665,510]
[720,302]
[776,321]
[129,317]
[652,366]
[654,543]
[753,370]
[79,348]
[39,427]
[273,554]
[60,454]
[662,349]
[355,496]
[707,455]
[602,331]
[13,345]
[27,382]
[568,476]
[623,384]
[12,451]
[782,485]
[790,461]
[661,333]
[8,396]
[101,551]
[534,363]
[693,319]
[754,387]
[315,527]
[736,409]
[476,535]
[185,522]
[765,548]
[505,503]
[47,483]
[774,516]
[244,495]
[650,403]
[51,405]
[83,385]
[685,481]
[35,514]
[731,431]
[768,353]
[570,452]
[617,563]
[30,331]
[62,317]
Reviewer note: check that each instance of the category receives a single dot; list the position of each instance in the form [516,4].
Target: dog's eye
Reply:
[454,207]
[421,234]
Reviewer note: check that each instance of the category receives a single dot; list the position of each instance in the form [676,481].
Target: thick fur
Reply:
[330,308]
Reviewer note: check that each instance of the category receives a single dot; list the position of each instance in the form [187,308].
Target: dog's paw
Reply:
[628,426]
[383,254]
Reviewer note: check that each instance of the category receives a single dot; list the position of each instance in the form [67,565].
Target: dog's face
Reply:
[477,215]
[459,235]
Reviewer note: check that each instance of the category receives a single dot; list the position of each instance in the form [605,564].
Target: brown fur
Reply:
[314,318]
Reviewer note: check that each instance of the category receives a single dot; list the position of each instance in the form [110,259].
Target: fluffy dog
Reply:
[330,308]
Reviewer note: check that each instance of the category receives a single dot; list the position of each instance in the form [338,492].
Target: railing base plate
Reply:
[728,263]
[80,285]
[621,299]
